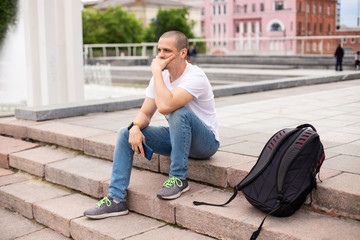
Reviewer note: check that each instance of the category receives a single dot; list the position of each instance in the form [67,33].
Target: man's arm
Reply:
[143,118]
[167,101]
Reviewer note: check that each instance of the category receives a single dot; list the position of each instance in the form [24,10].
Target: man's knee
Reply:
[123,135]
[179,114]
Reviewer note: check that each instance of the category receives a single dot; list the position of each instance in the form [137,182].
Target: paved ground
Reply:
[248,121]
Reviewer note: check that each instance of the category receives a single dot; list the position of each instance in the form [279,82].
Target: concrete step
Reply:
[61,210]
[22,228]
[336,194]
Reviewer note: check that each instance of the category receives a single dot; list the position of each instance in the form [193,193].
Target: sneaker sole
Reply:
[176,195]
[106,215]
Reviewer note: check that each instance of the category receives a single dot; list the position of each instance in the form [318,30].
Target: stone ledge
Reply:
[81,173]
[77,109]
[58,212]
[34,160]
[63,134]
[223,169]
[21,196]
[107,105]
[10,145]
[112,228]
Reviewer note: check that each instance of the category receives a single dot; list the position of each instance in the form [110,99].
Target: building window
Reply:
[245,8]
[329,27]
[214,10]
[320,8]
[245,27]
[202,12]
[314,28]
[308,7]
[329,10]
[214,29]
[219,8]
[299,28]
[238,28]
[219,28]
[328,46]
[224,9]
[314,46]
[320,28]
[352,40]
[253,27]
[308,28]
[344,40]
[275,27]
[254,7]
[238,8]
[314,8]
[299,7]
[279,5]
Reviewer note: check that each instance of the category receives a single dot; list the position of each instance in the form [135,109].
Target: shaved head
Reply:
[181,41]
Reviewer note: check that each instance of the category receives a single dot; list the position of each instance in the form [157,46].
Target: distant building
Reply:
[247,20]
[146,10]
[350,45]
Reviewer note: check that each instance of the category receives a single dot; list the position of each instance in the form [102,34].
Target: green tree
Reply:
[8,12]
[111,26]
[168,20]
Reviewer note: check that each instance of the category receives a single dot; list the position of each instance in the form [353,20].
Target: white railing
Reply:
[242,45]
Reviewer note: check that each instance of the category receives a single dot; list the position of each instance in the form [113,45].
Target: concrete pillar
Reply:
[249,39]
[257,35]
[53,40]
[241,30]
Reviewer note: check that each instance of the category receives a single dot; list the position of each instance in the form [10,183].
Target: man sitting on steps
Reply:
[182,93]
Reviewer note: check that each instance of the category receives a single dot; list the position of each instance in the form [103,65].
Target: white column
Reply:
[249,35]
[32,48]
[241,30]
[257,34]
[74,50]
[53,38]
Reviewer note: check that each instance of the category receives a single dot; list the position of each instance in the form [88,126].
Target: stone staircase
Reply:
[61,169]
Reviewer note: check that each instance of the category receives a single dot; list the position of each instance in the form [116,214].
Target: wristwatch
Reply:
[132,124]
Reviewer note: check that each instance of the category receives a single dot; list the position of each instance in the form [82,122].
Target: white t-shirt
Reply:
[197,84]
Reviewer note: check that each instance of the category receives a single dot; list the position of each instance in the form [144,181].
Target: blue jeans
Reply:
[186,136]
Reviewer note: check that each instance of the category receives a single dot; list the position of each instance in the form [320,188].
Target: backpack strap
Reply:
[306,136]
[196,203]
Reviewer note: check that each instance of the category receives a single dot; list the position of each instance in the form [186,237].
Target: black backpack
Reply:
[284,174]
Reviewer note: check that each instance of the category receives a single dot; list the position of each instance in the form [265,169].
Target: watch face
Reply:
[130,126]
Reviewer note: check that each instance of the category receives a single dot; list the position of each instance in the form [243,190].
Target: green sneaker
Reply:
[173,188]
[106,207]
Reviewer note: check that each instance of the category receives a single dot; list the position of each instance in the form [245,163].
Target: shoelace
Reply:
[102,201]
[172,181]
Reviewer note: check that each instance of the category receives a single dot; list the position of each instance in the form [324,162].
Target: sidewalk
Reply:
[246,123]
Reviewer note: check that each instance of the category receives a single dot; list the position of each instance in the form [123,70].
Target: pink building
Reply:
[245,26]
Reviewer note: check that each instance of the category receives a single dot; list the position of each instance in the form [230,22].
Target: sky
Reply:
[349,12]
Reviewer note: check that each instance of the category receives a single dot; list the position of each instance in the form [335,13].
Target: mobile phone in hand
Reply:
[148,152]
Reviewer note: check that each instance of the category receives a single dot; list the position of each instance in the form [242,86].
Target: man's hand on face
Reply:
[159,64]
